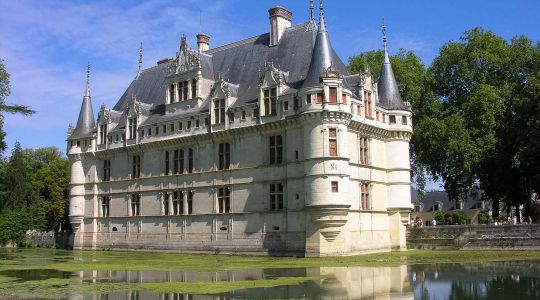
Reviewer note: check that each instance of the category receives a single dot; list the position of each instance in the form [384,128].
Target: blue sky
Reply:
[46,44]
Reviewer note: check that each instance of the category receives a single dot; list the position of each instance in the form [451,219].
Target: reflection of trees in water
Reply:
[467,290]
[514,287]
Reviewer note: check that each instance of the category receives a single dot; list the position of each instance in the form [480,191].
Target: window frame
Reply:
[224,200]
[277,196]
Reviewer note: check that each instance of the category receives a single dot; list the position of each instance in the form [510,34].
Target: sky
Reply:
[46,44]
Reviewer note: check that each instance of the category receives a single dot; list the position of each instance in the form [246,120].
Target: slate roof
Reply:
[85,124]
[241,63]
[473,201]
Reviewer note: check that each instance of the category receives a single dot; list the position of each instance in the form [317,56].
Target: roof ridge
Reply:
[248,40]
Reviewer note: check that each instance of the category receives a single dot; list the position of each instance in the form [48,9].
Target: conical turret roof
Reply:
[86,123]
[323,56]
[389,96]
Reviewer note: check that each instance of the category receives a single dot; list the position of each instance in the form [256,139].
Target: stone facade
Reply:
[189,161]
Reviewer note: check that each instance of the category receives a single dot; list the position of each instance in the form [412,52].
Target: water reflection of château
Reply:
[334,283]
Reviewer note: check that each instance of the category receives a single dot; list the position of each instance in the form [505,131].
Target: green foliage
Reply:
[15,223]
[440,217]
[34,187]
[457,218]
[476,114]
[5,91]
[483,219]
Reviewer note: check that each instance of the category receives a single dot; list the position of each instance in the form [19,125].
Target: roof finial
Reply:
[140,61]
[322,23]
[311,10]
[385,42]
[312,26]
[87,88]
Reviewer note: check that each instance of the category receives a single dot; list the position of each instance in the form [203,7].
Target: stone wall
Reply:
[49,239]
[506,237]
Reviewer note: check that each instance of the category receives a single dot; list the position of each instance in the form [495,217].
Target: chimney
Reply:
[203,42]
[280,19]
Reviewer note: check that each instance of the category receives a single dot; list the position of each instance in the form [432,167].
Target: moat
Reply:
[51,274]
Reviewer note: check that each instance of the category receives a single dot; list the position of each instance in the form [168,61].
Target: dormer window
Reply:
[270,101]
[171,94]
[194,89]
[132,127]
[102,134]
[186,89]
[437,207]
[308,99]
[180,89]
[219,111]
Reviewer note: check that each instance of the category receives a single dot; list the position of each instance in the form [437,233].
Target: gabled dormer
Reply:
[134,116]
[221,98]
[104,125]
[184,75]
[270,86]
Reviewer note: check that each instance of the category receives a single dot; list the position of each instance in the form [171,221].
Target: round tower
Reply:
[80,140]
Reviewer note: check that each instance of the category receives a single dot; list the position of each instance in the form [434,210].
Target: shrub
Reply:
[457,218]
[440,217]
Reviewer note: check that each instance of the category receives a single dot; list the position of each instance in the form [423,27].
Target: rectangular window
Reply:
[180,162]
[105,205]
[180,89]
[231,117]
[188,125]
[132,128]
[136,167]
[180,125]
[149,131]
[157,130]
[403,120]
[190,160]
[276,196]
[186,89]
[190,202]
[166,203]
[333,95]
[171,127]
[224,200]
[270,102]
[197,123]
[116,139]
[320,97]
[286,105]
[296,103]
[344,98]
[206,121]
[106,170]
[364,150]
[164,129]
[219,111]
[392,119]
[135,205]
[276,149]
[358,109]
[335,188]
[332,142]
[367,100]
[167,163]
[364,196]
[194,89]
[102,134]
[308,99]
[224,156]
[243,115]
[178,203]
[171,94]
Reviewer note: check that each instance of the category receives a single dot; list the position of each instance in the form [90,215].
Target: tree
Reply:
[15,182]
[5,91]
